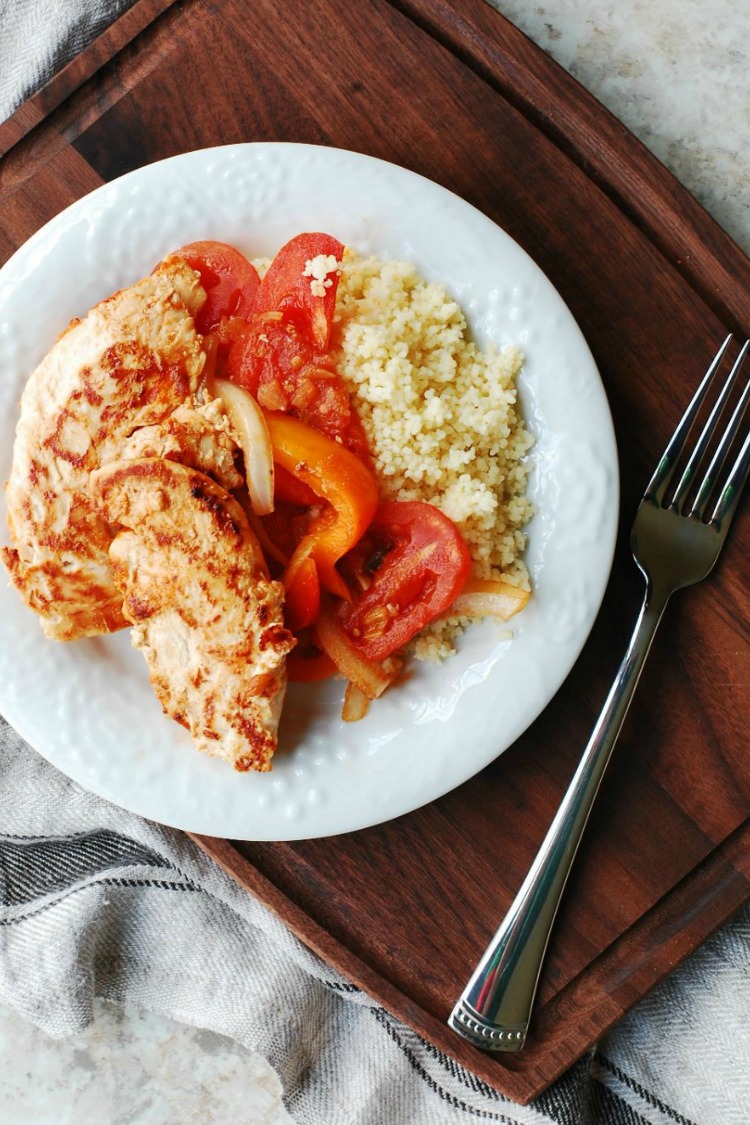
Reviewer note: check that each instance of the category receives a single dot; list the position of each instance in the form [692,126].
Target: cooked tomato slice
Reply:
[275,362]
[282,358]
[321,399]
[410,565]
[299,285]
[268,357]
[230,280]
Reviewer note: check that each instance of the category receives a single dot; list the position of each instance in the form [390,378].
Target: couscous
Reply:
[441,416]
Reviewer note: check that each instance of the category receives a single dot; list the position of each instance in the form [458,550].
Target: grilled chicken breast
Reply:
[197,435]
[205,614]
[133,359]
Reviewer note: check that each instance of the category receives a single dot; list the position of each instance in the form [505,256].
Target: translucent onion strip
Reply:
[370,677]
[356,704]
[251,431]
[489,597]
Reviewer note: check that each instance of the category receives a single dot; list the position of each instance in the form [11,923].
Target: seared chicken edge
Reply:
[130,362]
[205,614]
[198,435]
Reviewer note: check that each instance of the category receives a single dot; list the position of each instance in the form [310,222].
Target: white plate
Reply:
[88,708]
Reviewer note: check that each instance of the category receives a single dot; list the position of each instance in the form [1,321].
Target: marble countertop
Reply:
[131,1066]
[676,75]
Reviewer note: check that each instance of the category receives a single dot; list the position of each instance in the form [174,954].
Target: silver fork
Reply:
[676,538]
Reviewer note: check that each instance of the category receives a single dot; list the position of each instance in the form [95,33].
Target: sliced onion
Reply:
[301,554]
[356,704]
[255,442]
[370,677]
[489,597]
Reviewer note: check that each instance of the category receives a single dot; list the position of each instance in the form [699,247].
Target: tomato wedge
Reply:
[230,280]
[282,357]
[411,564]
[301,283]
[371,677]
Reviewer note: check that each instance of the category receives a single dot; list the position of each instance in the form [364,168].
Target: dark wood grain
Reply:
[60,86]
[614,158]
[455,93]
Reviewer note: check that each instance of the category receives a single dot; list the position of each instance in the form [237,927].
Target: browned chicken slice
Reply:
[206,615]
[128,363]
[196,434]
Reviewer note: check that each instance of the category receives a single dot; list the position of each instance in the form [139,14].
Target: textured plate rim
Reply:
[27,261]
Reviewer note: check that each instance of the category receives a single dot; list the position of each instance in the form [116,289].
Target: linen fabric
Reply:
[38,38]
[97,902]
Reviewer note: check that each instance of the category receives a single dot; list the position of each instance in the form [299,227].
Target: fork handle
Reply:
[494,1009]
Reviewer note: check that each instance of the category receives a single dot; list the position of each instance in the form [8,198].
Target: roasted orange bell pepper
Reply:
[302,601]
[336,475]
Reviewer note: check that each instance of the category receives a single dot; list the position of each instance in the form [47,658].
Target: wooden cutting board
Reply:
[454,92]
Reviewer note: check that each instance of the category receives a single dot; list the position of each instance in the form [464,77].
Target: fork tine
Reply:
[704,440]
[720,456]
[732,490]
[662,477]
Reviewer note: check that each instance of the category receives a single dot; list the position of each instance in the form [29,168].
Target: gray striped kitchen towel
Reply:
[96,902]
